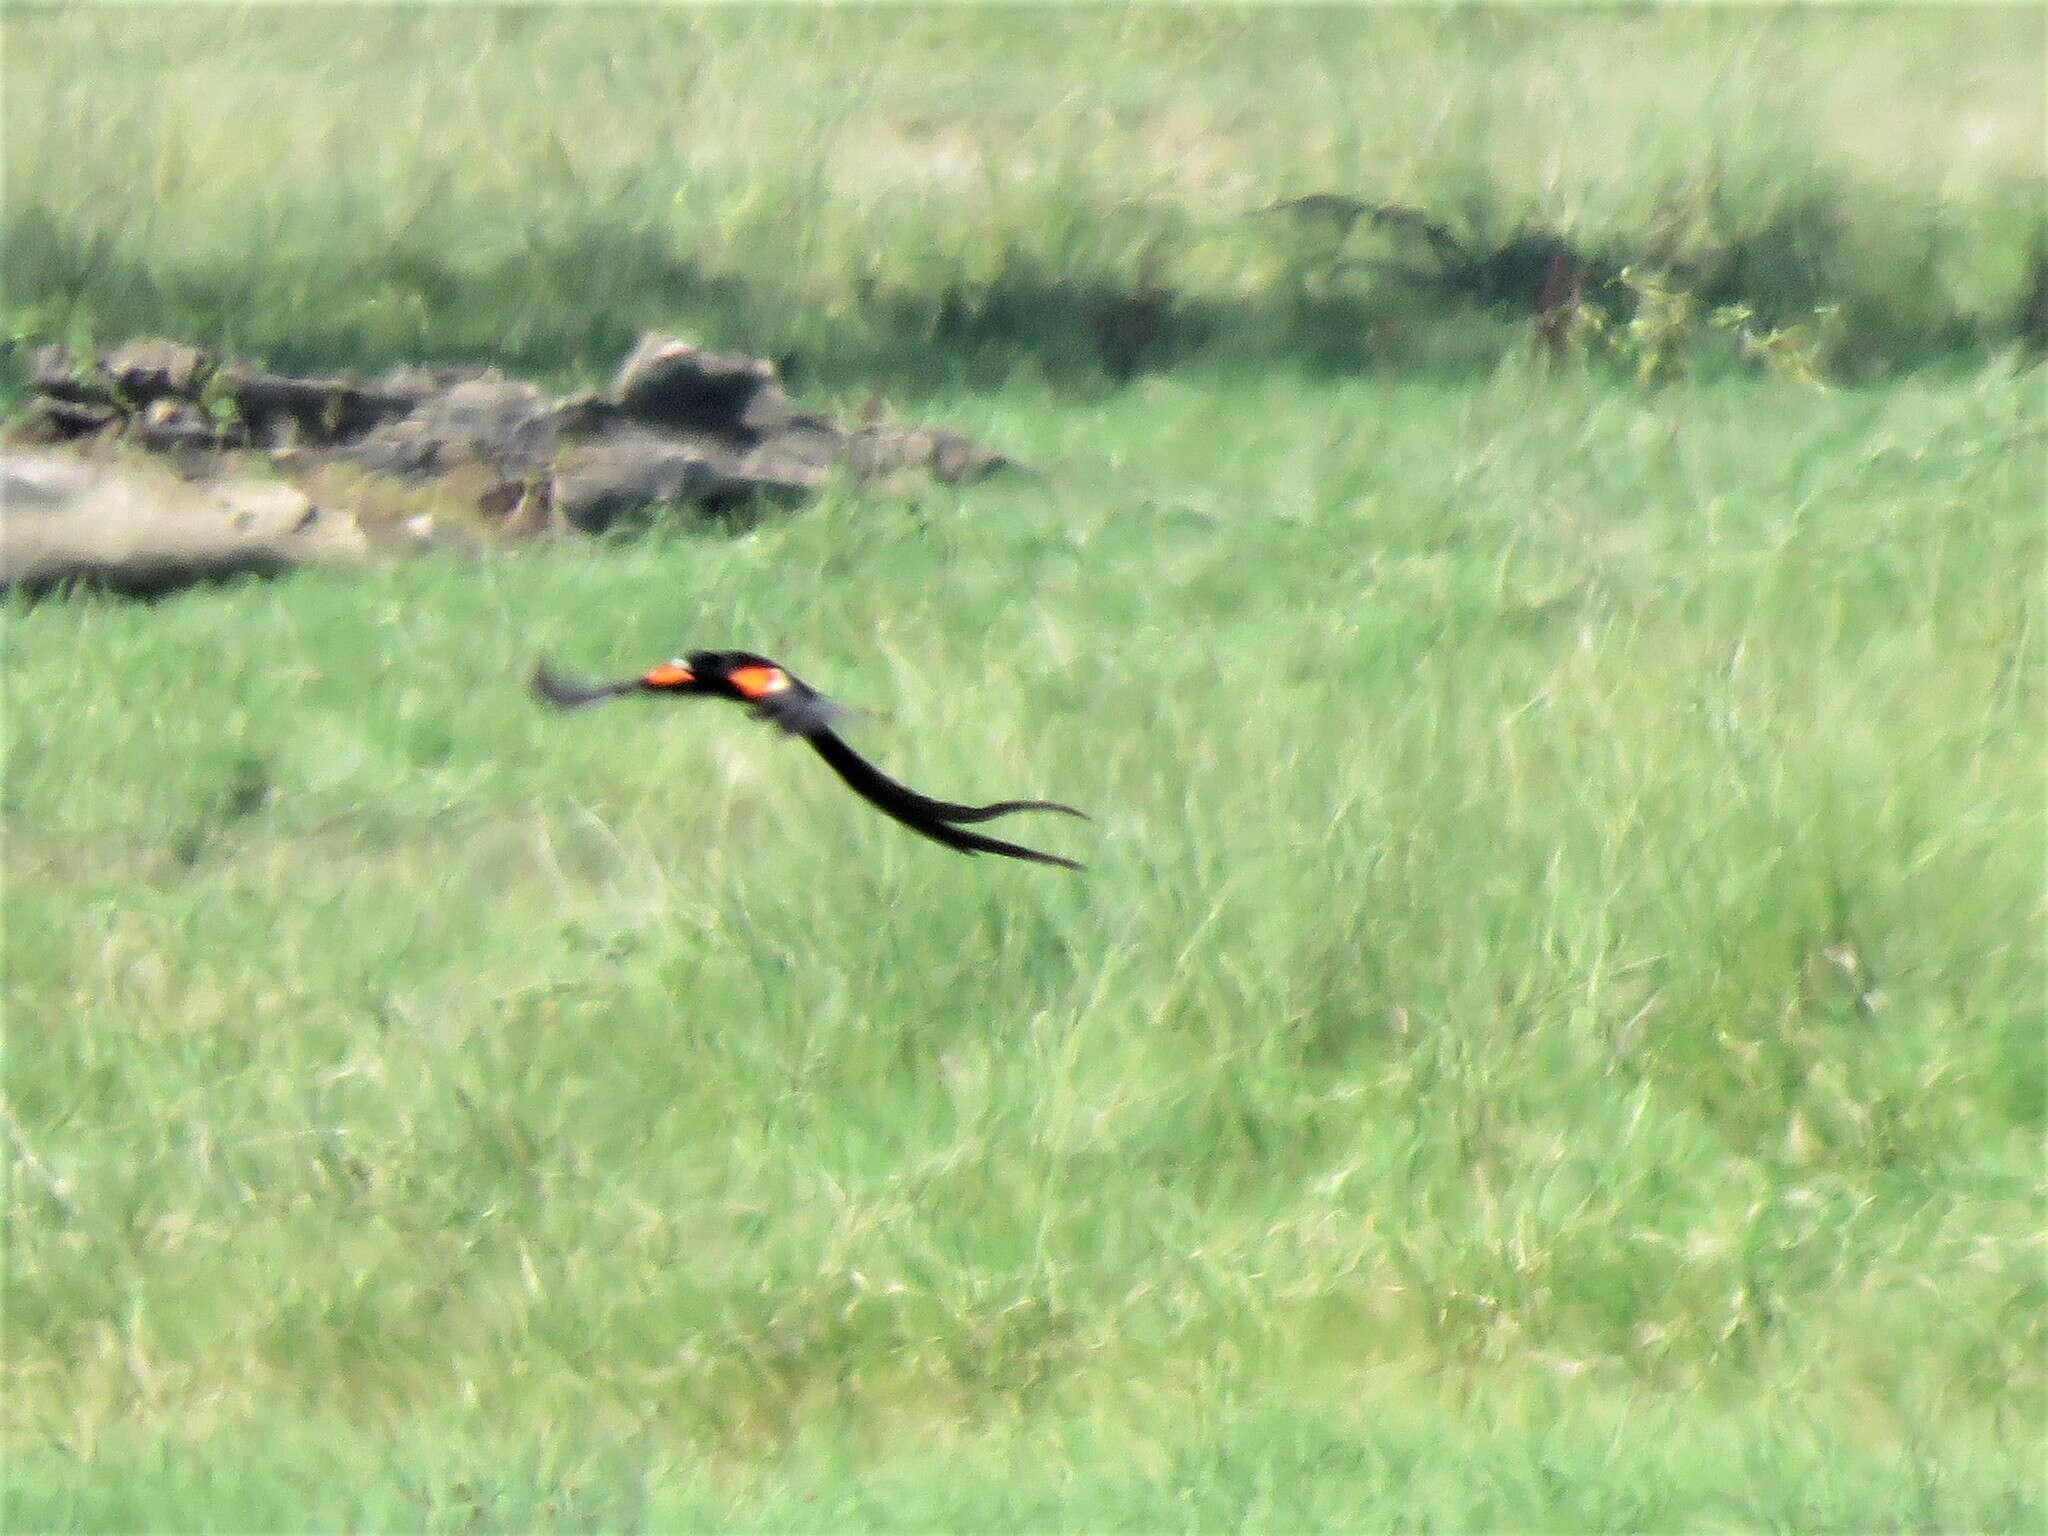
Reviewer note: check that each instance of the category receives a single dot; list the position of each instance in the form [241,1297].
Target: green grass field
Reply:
[1552,1032]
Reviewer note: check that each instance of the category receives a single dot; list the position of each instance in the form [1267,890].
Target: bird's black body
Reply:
[779,696]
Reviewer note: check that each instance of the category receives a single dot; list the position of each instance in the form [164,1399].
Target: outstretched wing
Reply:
[796,708]
[563,692]
[935,819]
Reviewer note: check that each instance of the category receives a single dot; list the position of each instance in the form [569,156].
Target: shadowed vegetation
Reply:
[900,212]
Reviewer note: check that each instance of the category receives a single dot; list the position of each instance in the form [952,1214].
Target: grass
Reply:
[1572,952]
[1550,1037]
[923,198]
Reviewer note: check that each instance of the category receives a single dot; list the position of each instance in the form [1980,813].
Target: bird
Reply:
[777,695]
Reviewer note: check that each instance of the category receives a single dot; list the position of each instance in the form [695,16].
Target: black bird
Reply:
[786,701]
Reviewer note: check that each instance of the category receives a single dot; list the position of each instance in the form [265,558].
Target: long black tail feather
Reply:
[936,819]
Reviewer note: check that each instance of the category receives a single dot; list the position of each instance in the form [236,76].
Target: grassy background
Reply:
[1552,1031]
[918,198]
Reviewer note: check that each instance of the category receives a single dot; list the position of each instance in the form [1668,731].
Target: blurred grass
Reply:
[1278,1468]
[914,197]
[1558,936]
[1551,1034]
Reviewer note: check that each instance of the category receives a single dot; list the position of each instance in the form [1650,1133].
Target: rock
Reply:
[54,376]
[679,424]
[54,420]
[521,509]
[146,371]
[946,456]
[134,528]
[416,381]
[320,409]
[169,424]
[631,471]
[130,376]
[279,432]
[956,460]
[669,382]
[498,500]
[488,419]
[583,413]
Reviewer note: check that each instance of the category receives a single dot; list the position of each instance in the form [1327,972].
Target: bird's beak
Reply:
[669,675]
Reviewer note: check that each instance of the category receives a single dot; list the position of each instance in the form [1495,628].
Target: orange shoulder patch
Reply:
[759,682]
[669,675]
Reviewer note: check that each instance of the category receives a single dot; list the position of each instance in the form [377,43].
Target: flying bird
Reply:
[786,701]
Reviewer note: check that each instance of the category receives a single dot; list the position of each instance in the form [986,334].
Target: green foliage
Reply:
[1798,352]
[1387,1466]
[941,199]
[1546,1036]
[1668,331]
[1551,1033]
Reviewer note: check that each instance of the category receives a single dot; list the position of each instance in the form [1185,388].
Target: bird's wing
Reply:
[935,819]
[567,693]
[800,709]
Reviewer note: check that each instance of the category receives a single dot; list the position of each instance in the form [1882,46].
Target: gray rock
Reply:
[323,410]
[629,472]
[168,424]
[146,371]
[507,424]
[679,424]
[133,375]
[672,383]
[54,375]
[946,456]
[52,419]
[521,509]
[585,412]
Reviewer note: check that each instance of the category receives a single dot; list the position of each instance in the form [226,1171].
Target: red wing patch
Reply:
[759,682]
[669,675]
